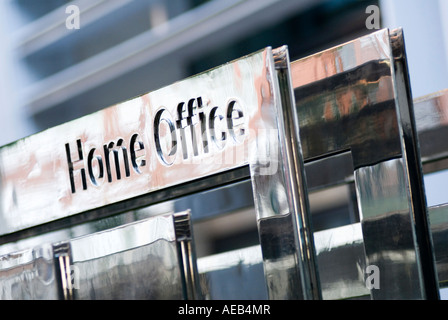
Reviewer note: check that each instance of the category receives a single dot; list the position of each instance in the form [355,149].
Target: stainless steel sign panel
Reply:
[233,275]
[197,127]
[356,97]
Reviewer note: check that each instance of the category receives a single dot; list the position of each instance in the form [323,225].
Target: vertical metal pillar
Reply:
[281,200]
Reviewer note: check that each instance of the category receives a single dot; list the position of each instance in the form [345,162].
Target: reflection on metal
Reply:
[340,255]
[111,264]
[195,128]
[356,97]
[233,275]
[388,237]
[29,275]
[321,174]
[342,262]
[64,271]
[297,193]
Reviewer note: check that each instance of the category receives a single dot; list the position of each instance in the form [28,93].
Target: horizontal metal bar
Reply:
[189,188]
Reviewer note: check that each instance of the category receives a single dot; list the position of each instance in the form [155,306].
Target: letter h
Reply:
[76,165]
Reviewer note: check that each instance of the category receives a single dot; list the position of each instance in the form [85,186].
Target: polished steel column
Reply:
[279,193]
[62,261]
[294,171]
[412,155]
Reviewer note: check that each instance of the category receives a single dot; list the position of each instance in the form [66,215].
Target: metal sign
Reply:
[197,127]
[232,116]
